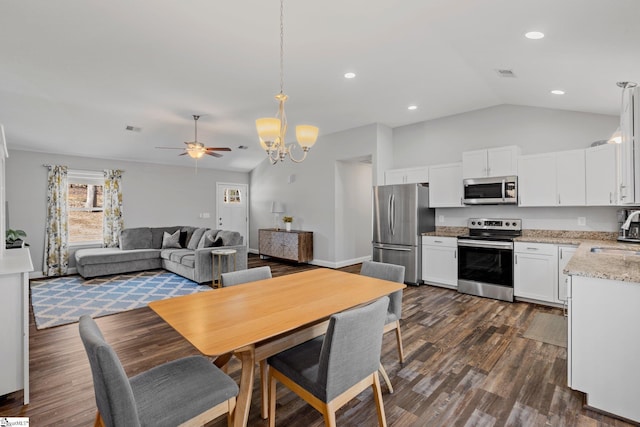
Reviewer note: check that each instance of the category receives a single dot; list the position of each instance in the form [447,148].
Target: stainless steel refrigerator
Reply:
[401,213]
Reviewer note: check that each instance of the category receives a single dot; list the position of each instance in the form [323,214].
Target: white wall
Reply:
[310,197]
[153,195]
[353,212]
[534,130]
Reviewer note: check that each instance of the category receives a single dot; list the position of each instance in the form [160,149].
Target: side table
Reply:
[221,252]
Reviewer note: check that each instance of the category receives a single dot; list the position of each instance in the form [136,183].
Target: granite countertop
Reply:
[585,263]
[448,232]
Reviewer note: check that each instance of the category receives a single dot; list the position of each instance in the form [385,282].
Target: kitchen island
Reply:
[604,314]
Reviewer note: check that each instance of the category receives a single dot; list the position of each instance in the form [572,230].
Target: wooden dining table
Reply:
[259,319]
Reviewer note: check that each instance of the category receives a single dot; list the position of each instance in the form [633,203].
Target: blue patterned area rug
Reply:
[63,300]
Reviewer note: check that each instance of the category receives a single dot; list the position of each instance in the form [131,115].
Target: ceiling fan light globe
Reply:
[306,135]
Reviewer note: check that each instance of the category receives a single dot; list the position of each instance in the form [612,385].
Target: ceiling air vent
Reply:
[133,128]
[505,73]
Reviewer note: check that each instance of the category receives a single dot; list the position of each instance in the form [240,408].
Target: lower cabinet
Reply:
[564,256]
[603,344]
[440,261]
[535,271]
[294,245]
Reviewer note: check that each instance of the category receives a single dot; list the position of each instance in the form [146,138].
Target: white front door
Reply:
[232,208]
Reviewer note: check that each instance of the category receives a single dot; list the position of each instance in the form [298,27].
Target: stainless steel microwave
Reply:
[499,190]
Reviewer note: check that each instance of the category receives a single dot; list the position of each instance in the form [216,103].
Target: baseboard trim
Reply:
[253,251]
[339,264]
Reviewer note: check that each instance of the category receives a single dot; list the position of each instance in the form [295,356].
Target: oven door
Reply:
[485,268]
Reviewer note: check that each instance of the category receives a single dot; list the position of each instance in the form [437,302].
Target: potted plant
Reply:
[15,238]
[287,222]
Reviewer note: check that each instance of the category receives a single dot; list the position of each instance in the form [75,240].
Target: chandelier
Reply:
[273,130]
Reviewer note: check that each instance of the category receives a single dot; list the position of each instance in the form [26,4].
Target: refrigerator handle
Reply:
[392,214]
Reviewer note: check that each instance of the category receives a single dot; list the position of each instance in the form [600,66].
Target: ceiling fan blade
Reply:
[218,148]
[183,154]
[211,153]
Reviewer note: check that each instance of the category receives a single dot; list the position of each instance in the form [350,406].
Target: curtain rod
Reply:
[80,170]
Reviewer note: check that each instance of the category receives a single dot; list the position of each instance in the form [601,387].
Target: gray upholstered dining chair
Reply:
[245,276]
[392,273]
[187,391]
[330,370]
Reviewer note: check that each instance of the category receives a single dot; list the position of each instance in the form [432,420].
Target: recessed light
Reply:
[534,35]
[412,107]
[349,75]
[557,92]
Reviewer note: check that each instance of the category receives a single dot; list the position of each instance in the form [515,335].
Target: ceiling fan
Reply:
[197,149]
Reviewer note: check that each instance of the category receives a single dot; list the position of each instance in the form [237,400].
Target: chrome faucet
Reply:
[627,223]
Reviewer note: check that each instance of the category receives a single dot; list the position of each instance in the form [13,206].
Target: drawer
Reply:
[449,242]
[535,248]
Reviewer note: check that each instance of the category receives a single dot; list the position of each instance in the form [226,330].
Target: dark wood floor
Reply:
[467,364]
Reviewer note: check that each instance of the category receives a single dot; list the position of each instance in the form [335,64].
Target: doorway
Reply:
[232,208]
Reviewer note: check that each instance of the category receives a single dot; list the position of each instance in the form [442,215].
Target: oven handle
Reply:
[485,244]
[503,193]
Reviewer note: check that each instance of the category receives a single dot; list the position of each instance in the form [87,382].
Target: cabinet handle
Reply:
[437,241]
[455,254]
[610,197]
[559,200]
[560,253]
[532,249]
[515,258]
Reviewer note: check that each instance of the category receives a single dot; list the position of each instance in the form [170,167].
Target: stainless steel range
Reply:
[485,258]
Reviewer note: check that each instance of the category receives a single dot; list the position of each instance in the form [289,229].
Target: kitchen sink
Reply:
[615,251]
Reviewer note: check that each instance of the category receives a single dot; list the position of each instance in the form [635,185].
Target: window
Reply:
[85,206]
[232,195]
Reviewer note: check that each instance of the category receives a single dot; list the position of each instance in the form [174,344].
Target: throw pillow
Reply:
[183,239]
[195,238]
[171,240]
[207,239]
[230,238]
[217,242]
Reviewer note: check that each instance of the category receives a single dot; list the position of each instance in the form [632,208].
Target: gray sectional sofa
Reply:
[148,248]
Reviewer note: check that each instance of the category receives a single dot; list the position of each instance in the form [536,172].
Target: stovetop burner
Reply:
[493,229]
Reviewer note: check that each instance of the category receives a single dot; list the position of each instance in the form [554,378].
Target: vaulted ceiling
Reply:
[74,74]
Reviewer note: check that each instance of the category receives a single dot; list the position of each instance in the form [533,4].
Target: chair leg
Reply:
[264,389]
[98,422]
[399,339]
[232,408]
[329,416]
[272,401]
[377,394]
[385,377]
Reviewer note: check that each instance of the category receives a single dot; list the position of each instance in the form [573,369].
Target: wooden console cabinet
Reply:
[294,245]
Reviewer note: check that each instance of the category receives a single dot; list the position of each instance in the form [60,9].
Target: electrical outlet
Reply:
[440,218]
[205,215]
[582,220]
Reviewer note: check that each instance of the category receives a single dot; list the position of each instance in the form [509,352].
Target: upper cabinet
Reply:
[552,179]
[500,161]
[601,179]
[445,186]
[407,176]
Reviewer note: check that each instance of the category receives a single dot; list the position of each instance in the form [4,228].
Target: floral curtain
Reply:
[112,208]
[56,243]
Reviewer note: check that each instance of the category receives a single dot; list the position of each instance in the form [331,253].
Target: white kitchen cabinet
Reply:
[499,161]
[440,261]
[564,256]
[407,176]
[445,186]
[552,179]
[603,345]
[601,178]
[535,272]
[537,180]
[570,178]
[15,266]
